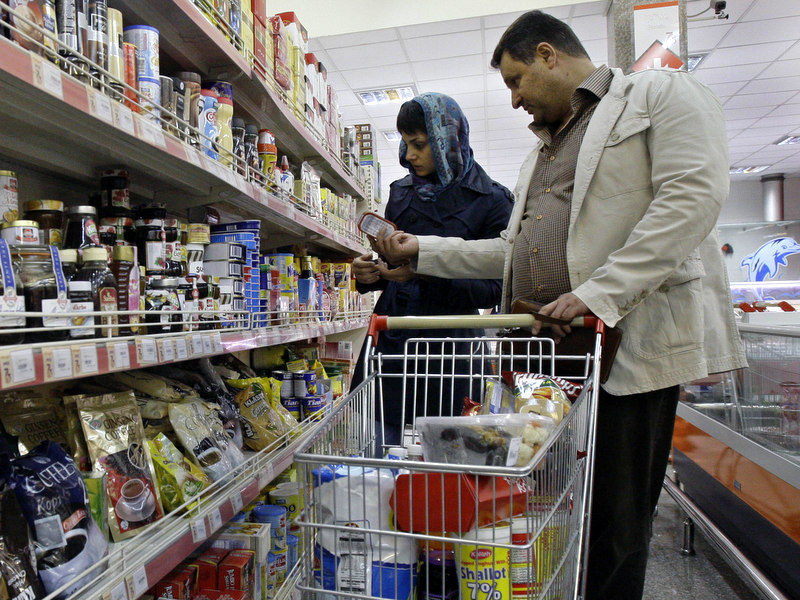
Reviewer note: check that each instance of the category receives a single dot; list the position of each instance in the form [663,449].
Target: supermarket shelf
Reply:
[134,566]
[195,44]
[35,364]
[55,123]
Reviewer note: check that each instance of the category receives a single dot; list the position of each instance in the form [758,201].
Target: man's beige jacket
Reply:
[642,249]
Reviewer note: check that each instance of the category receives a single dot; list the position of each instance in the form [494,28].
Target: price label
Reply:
[236,502]
[214,520]
[198,527]
[137,583]
[151,132]
[57,363]
[100,105]
[85,360]
[197,345]
[146,352]
[119,356]
[265,476]
[193,157]
[216,339]
[23,369]
[47,76]
[181,349]
[120,592]
[208,344]
[167,350]
[123,118]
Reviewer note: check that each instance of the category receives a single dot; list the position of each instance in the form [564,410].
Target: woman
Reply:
[447,194]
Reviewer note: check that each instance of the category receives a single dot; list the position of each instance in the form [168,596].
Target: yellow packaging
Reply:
[247,28]
[289,495]
[178,478]
[341,275]
[484,572]
[272,393]
[261,425]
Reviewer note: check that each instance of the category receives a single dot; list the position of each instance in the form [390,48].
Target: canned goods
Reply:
[305,383]
[199,233]
[287,383]
[207,122]
[9,200]
[145,39]
[116,58]
[294,406]
[150,97]
[313,407]
[280,567]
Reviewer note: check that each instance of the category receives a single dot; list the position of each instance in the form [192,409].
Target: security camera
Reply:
[718,6]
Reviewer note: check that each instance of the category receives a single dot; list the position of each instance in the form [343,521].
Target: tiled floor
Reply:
[672,576]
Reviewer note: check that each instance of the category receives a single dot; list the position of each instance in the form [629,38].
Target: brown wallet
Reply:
[580,341]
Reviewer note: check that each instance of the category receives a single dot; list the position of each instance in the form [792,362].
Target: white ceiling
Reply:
[753,65]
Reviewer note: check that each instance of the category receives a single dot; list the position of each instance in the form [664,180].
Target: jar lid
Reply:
[237,122]
[163,283]
[80,286]
[21,224]
[68,256]
[56,205]
[8,173]
[83,209]
[172,223]
[189,76]
[124,253]
[251,129]
[95,253]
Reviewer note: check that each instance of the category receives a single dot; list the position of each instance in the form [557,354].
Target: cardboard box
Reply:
[208,567]
[247,33]
[178,584]
[236,572]
[362,128]
[260,11]
[262,43]
[249,536]
[212,594]
[283,69]
[295,29]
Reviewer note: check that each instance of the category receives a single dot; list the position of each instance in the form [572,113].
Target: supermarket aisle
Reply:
[670,575]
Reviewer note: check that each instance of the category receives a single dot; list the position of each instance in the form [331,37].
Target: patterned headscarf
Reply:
[448,136]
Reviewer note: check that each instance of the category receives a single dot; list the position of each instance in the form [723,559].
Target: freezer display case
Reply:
[736,452]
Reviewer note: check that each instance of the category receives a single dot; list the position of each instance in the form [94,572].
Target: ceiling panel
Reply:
[743,55]
[772,30]
[368,55]
[454,86]
[781,68]
[754,100]
[447,67]
[360,79]
[770,9]
[726,89]
[426,29]
[357,39]
[729,74]
[779,84]
[706,38]
[792,53]
[590,28]
[443,46]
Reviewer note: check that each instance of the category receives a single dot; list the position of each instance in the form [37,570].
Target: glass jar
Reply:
[21,233]
[126,272]
[162,305]
[12,298]
[69,263]
[49,214]
[104,288]
[205,303]
[114,184]
[80,296]
[189,297]
[151,240]
[81,231]
[172,248]
[45,290]
[116,227]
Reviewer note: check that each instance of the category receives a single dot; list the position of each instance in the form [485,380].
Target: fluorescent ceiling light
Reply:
[386,95]
[392,136]
[788,140]
[694,60]
[748,170]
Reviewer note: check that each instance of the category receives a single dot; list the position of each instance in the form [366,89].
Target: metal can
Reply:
[305,383]
[146,40]
[9,198]
[116,58]
[314,406]
[150,97]
[287,383]
[131,75]
[294,406]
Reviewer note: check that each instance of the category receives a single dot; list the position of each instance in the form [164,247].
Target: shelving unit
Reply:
[53,124]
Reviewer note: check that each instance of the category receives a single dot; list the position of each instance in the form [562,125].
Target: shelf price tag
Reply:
[198,527]
[236,502]
[57,363]
[84,360]
[119,356]
[214,520]
[216,340]
[166,350]
[181,349]
[120,592]
[193,157]
[100,105]
[197,345]
[123,118]
[265,476]
[151,132]
[137,583]
[146,352]
[22,367]
[47,76]
[208,344]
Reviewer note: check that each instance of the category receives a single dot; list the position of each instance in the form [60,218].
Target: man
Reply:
[614,214]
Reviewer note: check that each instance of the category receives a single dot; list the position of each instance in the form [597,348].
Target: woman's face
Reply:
[418,153]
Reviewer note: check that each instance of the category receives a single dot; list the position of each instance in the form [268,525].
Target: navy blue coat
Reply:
[476,208]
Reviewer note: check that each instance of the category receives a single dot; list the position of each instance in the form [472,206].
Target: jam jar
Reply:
[151,239]
[21,233]
[116,227]
[189,297]
[104,287]
[12,298]
[69,262]
[81,229]
[162,305]
[49,214]
[172,248]
[45,290]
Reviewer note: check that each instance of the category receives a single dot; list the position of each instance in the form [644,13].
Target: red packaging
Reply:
[211,594]
[131,75]
[208,567]
[453,502]
[289,18]
[178,584]
[283,70]
[260,40]
[260,10]
[236,571]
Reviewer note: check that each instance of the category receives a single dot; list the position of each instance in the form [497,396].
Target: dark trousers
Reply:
[634,436]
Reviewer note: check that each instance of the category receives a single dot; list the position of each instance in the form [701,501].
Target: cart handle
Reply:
[378,323]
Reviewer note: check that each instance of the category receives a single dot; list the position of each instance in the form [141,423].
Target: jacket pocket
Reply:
[624,165]
[669,321]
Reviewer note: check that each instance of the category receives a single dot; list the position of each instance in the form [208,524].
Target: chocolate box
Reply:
[236,572]
[208,567]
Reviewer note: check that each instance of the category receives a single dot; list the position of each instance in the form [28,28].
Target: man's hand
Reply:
[365,270]
[399,274]
[398,247]
[566,306]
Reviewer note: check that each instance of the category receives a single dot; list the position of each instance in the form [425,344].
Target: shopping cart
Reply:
[382,528]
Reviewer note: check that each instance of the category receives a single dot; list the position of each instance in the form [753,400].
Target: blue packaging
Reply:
[237,226]
[291,551]
[389,580]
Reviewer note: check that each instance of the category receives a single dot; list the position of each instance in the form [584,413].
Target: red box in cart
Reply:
[434,502]
[208,566]
[236,571]
[211,594]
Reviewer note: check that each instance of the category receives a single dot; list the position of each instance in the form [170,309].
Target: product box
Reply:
[246,32]
[208,567]
[260,11]
[362,128]
[213,594]
[249,536]
[236,572]
[283,69]
[297,33]
[298,68]
[178,584]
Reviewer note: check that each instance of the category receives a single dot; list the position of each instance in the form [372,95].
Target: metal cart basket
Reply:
[406,529]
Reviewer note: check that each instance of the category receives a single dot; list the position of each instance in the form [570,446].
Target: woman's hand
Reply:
[398,274]
[398,247]
[365,270]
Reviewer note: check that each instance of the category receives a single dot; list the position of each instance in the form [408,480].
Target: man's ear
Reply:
[547,53]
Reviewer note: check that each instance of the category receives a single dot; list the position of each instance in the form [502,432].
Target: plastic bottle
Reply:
[239,150]
[268,153]
[224,117]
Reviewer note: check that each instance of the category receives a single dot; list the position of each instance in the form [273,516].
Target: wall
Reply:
[745,203]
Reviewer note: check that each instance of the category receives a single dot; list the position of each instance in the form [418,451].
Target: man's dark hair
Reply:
[411,118]
[528,31]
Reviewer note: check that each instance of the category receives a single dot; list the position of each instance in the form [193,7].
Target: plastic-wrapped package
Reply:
[178,478]
[17,567]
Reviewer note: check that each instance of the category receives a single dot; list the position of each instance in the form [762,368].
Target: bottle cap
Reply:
[80,286]
[83,209]
[124,253]
[95,253]
[414,451]
[397,453]
[68,256]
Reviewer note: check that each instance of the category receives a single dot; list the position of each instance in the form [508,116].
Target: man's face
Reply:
[418,153]
[532,88]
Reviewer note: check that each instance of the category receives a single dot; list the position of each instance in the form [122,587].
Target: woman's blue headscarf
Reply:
[448,136]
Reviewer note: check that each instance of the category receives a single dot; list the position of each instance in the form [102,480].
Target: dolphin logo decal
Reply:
[763,264]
